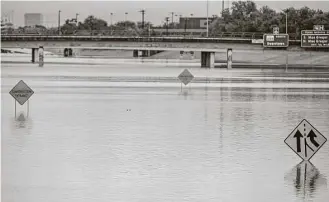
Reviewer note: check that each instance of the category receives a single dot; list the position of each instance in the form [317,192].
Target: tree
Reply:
[125,25]
[93,23]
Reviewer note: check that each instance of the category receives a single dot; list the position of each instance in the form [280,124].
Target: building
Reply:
[194,22]
[33,19]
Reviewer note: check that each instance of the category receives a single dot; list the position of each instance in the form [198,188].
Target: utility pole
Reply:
[143,13]
[222,7]
[207,19]
[126,13]
[172,19]
[185,26]
[167,20]
[59,22]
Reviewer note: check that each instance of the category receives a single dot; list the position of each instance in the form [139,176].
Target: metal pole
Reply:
[143,13]
[287,61]
[111,19]
[28,108]
[76,18]
[15,109]
[59,22]
[167,21]
[111,24]
[207,20]
[172,19]
[286,23]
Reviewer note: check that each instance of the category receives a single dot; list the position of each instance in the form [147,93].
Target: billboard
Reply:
[315,38]
[276,40]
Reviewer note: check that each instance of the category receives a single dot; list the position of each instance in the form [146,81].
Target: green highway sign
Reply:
[276,40]
[315,38]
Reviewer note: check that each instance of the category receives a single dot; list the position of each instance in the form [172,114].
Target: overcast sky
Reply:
[156,10]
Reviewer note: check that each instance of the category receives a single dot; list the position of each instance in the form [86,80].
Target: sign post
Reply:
[229,58]
[21,93]
[276,30]
[305,140]
[41,56]
[185,77]
[275,40]
[315,39]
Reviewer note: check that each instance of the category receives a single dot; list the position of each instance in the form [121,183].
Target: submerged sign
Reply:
[276,40]
[315,38]
[21,92]
[305,140]
[185,77]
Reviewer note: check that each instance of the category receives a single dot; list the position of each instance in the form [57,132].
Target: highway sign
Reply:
[315,38]
[185,77]
[276,40]
[305,140]
[21,92]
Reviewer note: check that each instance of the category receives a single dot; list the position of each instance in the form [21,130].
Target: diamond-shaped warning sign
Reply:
[305,140]
[21,92]
[185,77]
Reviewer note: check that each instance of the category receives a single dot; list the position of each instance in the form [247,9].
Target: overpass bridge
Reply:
[207,46]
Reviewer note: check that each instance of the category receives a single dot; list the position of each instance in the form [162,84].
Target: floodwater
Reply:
[87,142]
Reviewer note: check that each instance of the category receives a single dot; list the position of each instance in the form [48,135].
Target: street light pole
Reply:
[285,12]
[111,19]
[207,20]
[59,22]
[167,21]
[286,23]
[172,19]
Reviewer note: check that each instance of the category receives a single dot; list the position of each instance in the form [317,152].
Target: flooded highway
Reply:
[133,133]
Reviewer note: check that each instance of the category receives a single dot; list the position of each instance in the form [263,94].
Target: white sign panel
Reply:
[257,41]
[21,92]
[305,140]
[185,77]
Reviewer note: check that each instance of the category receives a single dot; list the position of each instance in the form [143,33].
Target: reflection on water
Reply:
[22,121]
[306,179]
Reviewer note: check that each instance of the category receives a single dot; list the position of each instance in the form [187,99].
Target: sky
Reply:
[156,10]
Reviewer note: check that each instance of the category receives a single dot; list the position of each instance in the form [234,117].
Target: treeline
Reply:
[244,16]
[94,26]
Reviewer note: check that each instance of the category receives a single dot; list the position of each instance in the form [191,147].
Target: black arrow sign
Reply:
[298,135]
[312,135]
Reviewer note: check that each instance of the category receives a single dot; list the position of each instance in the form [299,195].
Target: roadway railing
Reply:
[145,32]
[124,38]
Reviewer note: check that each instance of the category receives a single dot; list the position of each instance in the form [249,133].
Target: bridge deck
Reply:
[132,39]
